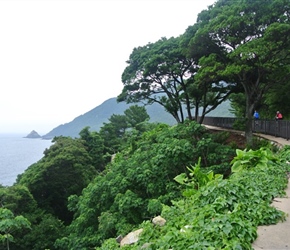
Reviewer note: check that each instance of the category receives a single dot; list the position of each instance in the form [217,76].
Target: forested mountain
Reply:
[100,114]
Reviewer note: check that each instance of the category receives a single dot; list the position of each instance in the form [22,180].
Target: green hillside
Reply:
[100,114]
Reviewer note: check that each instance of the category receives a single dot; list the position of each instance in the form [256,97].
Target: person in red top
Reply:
[279,116]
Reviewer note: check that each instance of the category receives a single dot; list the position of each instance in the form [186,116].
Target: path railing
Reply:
[279,128]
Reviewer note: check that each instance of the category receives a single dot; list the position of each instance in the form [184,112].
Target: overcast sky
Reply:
[61,58]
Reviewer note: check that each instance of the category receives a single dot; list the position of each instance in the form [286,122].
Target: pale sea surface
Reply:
[17,154]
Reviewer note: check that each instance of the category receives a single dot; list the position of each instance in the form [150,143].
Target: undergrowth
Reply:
[224,213]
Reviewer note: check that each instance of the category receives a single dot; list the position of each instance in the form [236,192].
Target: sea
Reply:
[17,153]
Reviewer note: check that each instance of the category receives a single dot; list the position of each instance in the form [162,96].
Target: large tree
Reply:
[206,88]
[165,72]
[253,41]
[158,72]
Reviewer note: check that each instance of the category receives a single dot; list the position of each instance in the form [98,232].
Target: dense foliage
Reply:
[43,228]
[8,223]
[86,191]
[65,170]
[234,47]
[223,213]
[142,181]
[138,181]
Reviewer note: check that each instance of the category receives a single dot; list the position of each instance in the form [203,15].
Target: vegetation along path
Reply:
[272,237]
[276,236]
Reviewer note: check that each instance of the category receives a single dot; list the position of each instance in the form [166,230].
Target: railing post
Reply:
[287,130]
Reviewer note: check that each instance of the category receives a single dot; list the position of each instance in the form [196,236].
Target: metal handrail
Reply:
[277,128]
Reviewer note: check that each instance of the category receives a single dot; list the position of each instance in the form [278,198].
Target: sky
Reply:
[62,58]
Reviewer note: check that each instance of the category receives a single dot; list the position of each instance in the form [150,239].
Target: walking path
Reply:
[277,140]
[273,237]
[276,237]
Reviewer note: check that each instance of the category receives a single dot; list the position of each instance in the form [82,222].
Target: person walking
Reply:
[256,115]
[256,118]
[279,116]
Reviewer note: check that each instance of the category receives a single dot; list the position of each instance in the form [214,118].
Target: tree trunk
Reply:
[189,115]
[248,130]
[249,115]
[196,111]
[8,247]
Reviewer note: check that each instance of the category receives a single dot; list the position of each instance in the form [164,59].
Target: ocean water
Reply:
[17,154]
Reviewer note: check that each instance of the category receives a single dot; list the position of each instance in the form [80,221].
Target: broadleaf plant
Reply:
[195,179]
[246,159]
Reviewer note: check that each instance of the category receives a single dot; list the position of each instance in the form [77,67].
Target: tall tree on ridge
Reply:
[158,73]
[253,37]
[163,73]
[207,88]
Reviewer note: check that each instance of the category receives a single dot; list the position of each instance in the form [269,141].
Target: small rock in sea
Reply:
[33,134]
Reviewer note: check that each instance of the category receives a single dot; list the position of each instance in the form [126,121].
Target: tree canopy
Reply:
[235,47]
[137,183]
[253,42]
[65,170]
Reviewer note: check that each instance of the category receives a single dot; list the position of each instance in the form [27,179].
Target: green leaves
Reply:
[65,170]
[246,159]
[158,72]
[9,223]
[245,44]
[197,178]
[223,214]
[139,182]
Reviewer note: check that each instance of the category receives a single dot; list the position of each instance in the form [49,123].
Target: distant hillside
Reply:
[100,114]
